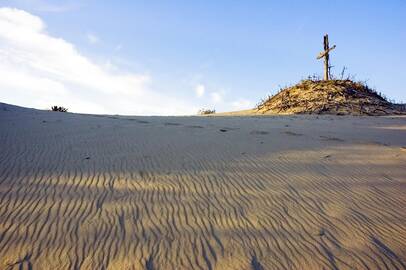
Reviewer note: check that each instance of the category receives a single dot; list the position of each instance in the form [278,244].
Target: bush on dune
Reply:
[58,109]
[206,111]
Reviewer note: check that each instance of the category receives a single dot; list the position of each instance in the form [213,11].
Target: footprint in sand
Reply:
[321,232]
[377,143]
[291,133]
[22,262]
[194,126]
[259,132]
[255,265]
[136,120]
[142,122]
[149,264]
[171,124]
[328,138]
[225,129]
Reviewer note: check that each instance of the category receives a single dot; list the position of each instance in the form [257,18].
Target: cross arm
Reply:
[322,54]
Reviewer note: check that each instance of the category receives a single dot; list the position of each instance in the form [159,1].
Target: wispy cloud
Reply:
[92,38]
[39,70]
[199,90]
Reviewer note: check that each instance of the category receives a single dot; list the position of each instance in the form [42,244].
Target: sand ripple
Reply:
[84,192]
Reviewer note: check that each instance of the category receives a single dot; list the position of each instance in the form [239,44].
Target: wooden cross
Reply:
[326,57]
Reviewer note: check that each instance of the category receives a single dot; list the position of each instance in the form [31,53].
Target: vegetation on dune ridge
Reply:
[58,109]
[341,97]
[206,111]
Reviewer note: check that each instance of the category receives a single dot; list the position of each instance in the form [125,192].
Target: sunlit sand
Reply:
[272,192]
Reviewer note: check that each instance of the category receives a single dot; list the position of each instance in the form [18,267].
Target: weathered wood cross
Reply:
[326,57]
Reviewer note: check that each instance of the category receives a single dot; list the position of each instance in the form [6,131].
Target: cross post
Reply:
[326,56]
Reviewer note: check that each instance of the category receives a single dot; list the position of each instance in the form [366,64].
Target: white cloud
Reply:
[39,70]
[216,97]
[48,6]
[92,38]
[200,89]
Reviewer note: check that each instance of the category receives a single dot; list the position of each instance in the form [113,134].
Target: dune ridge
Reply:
[116,192]
[340,97]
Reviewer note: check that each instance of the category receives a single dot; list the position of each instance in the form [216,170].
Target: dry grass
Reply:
[341,97]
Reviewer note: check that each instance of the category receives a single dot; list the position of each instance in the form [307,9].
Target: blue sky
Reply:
[180,56]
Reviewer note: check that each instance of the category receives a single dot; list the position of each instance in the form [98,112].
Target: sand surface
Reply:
[276,192]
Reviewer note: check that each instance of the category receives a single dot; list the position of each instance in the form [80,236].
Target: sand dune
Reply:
[285,192]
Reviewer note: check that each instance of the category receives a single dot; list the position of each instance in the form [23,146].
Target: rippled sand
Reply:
[286,192]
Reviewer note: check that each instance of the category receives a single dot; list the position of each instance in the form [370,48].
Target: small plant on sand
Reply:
[206,111]
[59,109]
